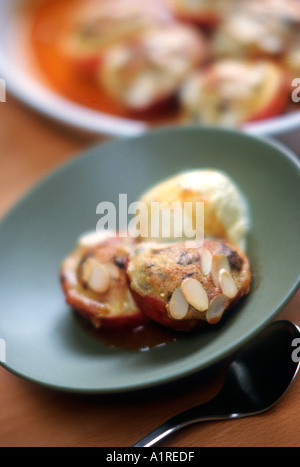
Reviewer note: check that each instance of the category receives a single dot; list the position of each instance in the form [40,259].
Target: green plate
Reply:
[47,345]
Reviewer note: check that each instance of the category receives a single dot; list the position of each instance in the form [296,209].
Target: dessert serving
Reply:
[115,281]
[185,285]
[225,62]
[95,284]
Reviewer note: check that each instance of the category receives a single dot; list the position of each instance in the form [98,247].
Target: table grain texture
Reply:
[32,416]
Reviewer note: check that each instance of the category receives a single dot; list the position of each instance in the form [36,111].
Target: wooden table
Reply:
[31,416]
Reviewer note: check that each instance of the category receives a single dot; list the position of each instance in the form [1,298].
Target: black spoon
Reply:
[259,375]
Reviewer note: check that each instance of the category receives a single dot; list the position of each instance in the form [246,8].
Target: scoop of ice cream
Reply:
[225,209]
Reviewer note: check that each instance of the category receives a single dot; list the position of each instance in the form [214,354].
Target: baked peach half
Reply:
[232,92]
[258,28]
[98,25]
[186,285]
[143,73]
[94,282]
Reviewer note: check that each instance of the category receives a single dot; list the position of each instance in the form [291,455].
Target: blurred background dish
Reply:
[121,67]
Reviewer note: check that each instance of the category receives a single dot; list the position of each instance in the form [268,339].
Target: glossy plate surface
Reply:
[47,345]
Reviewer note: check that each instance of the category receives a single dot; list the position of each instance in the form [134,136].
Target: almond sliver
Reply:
[219,262]
[96,276]
[206,261]
[194,292]
[86,271]
[179,307]
[216,309]
[227,284]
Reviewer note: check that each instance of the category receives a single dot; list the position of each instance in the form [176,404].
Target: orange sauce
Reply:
[48,21]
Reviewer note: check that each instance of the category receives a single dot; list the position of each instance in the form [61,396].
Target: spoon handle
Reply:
[205,412]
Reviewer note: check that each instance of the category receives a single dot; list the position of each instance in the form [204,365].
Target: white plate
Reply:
[25,86]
